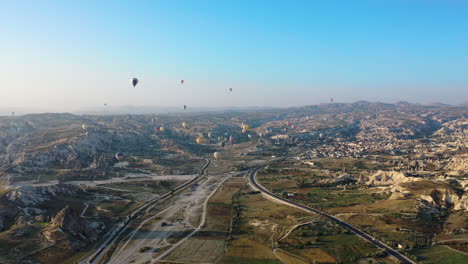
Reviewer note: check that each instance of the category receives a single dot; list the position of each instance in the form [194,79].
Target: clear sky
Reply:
[67,55]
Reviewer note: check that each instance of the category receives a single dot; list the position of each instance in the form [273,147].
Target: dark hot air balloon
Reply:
[134,81]
[119,156]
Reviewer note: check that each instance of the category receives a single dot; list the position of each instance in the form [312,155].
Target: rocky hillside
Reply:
[67,226]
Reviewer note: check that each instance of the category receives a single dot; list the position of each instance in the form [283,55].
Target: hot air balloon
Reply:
[199,140]
[246,127]
[185,107]
[226,134]
[84,127]
[260,134]
[230,89]
[220,138]
[249,136]
[87,133]
[209,134]
[231,139]
[134,81]
[182,81]
[293,127]
[105,104]
[119,156]
[288,123]
[243,131]
[184,124]
[157,129]
[321,135]
[331,100]
[162,129]
[216,155]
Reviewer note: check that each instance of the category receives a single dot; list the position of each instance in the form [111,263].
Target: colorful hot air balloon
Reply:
[246,127]
[199,140]
[84,127]
[157,129]
[321,135]
[134,81]
[231,139]
[184,124]
[216,155]
[119,156]
[162,129]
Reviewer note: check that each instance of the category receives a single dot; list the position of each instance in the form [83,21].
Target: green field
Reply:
[439,255]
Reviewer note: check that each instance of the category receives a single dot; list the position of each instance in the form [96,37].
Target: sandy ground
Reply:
[163,231]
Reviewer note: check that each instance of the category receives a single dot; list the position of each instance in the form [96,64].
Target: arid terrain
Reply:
[396,172]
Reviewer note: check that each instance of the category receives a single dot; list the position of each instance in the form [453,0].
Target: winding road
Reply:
[394,253]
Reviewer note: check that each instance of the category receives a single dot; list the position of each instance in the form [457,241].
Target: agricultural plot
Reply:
[266,231]
[439,254]
[245,250]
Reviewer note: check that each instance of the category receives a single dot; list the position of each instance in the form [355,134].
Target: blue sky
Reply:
[73,54]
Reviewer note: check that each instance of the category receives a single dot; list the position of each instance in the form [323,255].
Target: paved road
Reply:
[397,255]
[122,226]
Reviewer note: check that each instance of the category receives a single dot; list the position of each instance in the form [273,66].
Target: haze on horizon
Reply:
[67,56]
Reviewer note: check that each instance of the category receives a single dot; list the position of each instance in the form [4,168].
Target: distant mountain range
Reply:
[129,109]
[111,110]
[135,110]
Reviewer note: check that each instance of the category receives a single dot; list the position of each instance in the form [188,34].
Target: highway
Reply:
[122,226]
[394,253]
